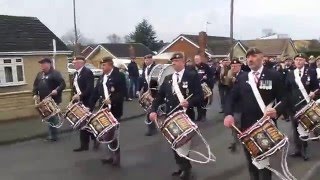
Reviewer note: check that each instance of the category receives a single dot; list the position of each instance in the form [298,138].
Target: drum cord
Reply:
[116,137]
[52,124]
[208,158]
[284,165]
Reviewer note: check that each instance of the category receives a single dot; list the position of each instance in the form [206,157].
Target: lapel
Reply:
[305,79]
[151,67]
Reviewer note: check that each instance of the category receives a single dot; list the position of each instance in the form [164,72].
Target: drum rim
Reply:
[255,126]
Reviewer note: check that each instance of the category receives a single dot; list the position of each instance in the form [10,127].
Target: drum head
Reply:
[158,73]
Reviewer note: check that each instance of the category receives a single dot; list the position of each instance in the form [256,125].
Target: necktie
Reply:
[177,74]
[299,72]
[256,77]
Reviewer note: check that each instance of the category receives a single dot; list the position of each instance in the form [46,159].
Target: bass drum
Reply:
[158,73]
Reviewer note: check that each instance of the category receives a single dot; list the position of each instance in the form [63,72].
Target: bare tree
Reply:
[267,32]
[69,38]
[114,38]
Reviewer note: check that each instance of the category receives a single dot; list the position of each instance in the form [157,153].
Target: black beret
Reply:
[149,56]
[45,60]
[79,58]
[301,55]
[177,55]
[106,60]
[235,61]
[253,51]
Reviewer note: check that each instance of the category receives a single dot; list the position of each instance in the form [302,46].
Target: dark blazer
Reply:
[294,95]
[86,85]
[116,88]
[190,84]
[237,105]
[242,93]
[143,83]
[204,70]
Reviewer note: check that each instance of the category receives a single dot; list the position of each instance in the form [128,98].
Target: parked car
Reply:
[96,72]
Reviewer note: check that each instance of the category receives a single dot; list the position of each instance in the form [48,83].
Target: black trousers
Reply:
[202,112]
[223,91]
[298,143]
[255,173]
[85,138]
[183,163]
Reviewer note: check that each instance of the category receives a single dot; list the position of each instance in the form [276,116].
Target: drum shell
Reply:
[178,129]
[261,137]
[309,116]
[78,115]
[47,108]
[103,125]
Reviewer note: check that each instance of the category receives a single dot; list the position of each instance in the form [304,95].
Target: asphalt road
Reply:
[141,157]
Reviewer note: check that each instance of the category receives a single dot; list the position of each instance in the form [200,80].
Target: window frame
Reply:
[13,64]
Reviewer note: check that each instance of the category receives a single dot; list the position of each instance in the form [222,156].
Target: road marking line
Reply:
[311,171]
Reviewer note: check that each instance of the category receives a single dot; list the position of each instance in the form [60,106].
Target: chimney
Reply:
[203,39]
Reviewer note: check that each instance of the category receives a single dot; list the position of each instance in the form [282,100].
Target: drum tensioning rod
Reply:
[179,105]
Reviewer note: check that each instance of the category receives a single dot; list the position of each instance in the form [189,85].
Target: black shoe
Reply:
[96,145]
[296,154]
[233,147]
[305,157]
[80,149]
[51,139]
[107,161]
[221,111]
[185,175]
[177,173]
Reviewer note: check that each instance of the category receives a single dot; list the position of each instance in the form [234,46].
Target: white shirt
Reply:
[105,88]
[259,70]
[180,74]
[146,73]
[299,70]
[75,80]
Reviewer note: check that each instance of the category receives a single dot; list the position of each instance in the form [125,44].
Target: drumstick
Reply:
[235,127]
[179,105]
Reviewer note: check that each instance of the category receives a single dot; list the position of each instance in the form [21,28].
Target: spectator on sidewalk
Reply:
[133,76]
[49,81]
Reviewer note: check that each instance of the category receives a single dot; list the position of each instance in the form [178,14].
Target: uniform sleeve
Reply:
[95,95]
[210,77]
[160,97]
[89,85]
[197,96]
[232,98]
[61,82]
[280,93]
[118,95]
[314,85]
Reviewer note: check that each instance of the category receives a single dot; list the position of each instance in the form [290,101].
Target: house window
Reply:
[11,72]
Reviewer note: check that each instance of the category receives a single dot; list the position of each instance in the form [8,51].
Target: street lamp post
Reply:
[231,28]
[75,28]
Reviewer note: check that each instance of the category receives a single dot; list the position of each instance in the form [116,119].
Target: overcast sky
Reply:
[99,18]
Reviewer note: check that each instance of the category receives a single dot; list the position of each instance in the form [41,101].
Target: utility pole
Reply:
[231,28]
[75,29]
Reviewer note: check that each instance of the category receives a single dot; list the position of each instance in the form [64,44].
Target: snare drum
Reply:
[262,139]
[78,115]
[158,73]
[206,90]
[178,129]
[47,108]
[309,116]
[103,125]
[146,100]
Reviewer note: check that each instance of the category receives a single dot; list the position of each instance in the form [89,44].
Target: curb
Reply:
[64,131]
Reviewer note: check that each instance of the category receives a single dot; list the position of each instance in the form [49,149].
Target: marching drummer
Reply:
[174,92]
[111,90]
[234,74]
[301,84]
[255,92]
[206,76]
[49,82]
[83,84]
[145,85]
